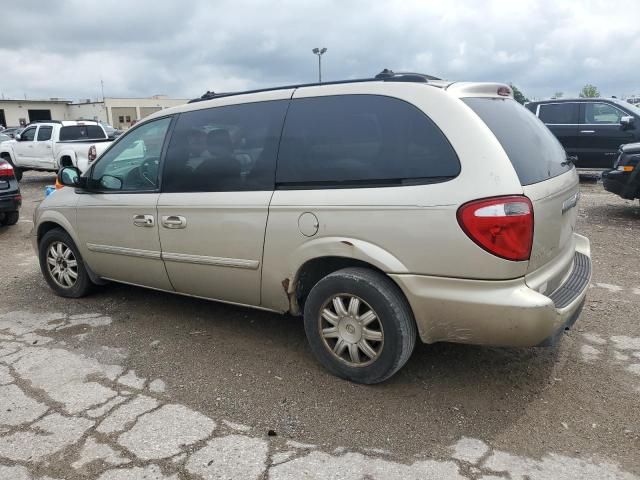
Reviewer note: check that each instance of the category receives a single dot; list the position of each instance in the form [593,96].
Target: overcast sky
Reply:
[142,48]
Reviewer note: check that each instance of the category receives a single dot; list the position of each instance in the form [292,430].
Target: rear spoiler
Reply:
[480,89]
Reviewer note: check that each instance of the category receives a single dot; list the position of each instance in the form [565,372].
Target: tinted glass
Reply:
[81,132]
[559,113]
[601,113]
[95,132]
[230,148]
[28,134]
[44,133]
[366,140]
[133,162]
[534,151]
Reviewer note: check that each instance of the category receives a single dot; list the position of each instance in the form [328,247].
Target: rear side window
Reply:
[361,140]
[95,132]
[81,132]
[230,148]
[559,113]
[44,133]
[534,151]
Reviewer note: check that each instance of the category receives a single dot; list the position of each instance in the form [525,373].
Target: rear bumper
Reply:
[10,203]
[500,312]
[620,183]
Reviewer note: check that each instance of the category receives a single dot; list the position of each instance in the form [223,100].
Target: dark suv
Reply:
[592,129]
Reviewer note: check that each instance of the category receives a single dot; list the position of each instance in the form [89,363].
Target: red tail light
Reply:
[6,170]
[92,155]
[502,226]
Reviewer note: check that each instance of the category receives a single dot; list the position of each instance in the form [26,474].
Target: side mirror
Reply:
[627,121]
[70,177]
[18,137]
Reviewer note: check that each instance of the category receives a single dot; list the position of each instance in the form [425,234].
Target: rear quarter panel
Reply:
[410,229]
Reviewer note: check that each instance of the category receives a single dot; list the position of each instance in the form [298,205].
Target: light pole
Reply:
[319,52]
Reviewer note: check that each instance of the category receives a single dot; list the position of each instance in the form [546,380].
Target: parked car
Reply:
[12,131]
[10,198]
[4,138]
[591,129]
[398,206]
[111,131]
[624,179]
[47,146]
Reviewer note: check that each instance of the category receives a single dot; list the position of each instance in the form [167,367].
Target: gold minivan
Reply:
[379,210]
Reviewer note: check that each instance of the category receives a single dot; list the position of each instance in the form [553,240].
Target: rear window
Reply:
[361,140]
[81,132]
[534,151]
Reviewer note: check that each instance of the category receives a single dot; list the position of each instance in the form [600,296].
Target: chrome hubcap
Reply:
[62,264]
[351,330]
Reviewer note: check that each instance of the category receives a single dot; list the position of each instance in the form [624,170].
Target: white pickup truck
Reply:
[47,146]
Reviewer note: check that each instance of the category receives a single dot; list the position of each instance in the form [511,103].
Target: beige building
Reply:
[122,113]
[20,112]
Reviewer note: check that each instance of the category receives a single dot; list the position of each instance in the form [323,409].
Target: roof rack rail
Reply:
[44,121]
[386,76]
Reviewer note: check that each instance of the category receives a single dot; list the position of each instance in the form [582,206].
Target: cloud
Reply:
[64,49]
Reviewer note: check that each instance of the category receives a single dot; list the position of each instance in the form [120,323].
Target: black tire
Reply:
[10,218]
[82,284]
[379,293]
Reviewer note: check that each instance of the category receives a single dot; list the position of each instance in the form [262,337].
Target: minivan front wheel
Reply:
[62,266]
[359,325]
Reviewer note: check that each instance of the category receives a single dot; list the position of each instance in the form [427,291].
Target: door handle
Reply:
[174,221]
[587,131]
[143,220]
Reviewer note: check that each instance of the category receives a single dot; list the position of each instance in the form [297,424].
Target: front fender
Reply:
[59,218]
[58,208]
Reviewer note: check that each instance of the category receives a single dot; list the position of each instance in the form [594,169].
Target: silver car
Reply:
[379,210]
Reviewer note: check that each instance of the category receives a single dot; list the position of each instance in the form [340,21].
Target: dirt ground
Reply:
[252,373]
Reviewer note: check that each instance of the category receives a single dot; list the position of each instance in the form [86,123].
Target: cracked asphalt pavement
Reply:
[136,384]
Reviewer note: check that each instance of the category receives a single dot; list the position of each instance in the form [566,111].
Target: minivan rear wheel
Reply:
[62,266]
[359,325]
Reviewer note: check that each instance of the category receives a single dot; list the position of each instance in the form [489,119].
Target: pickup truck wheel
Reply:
[10,218]
[359,325]
[62,265]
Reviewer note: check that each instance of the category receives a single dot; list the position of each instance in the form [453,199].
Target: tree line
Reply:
[588,91]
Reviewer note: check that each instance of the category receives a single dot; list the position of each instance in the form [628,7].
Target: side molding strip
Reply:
[214,261]
[129,252]
[176,257]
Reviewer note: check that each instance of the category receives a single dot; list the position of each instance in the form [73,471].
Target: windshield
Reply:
[534,151]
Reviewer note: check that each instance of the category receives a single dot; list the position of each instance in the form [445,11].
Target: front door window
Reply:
[28,135]
[601,114]
[132,164]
